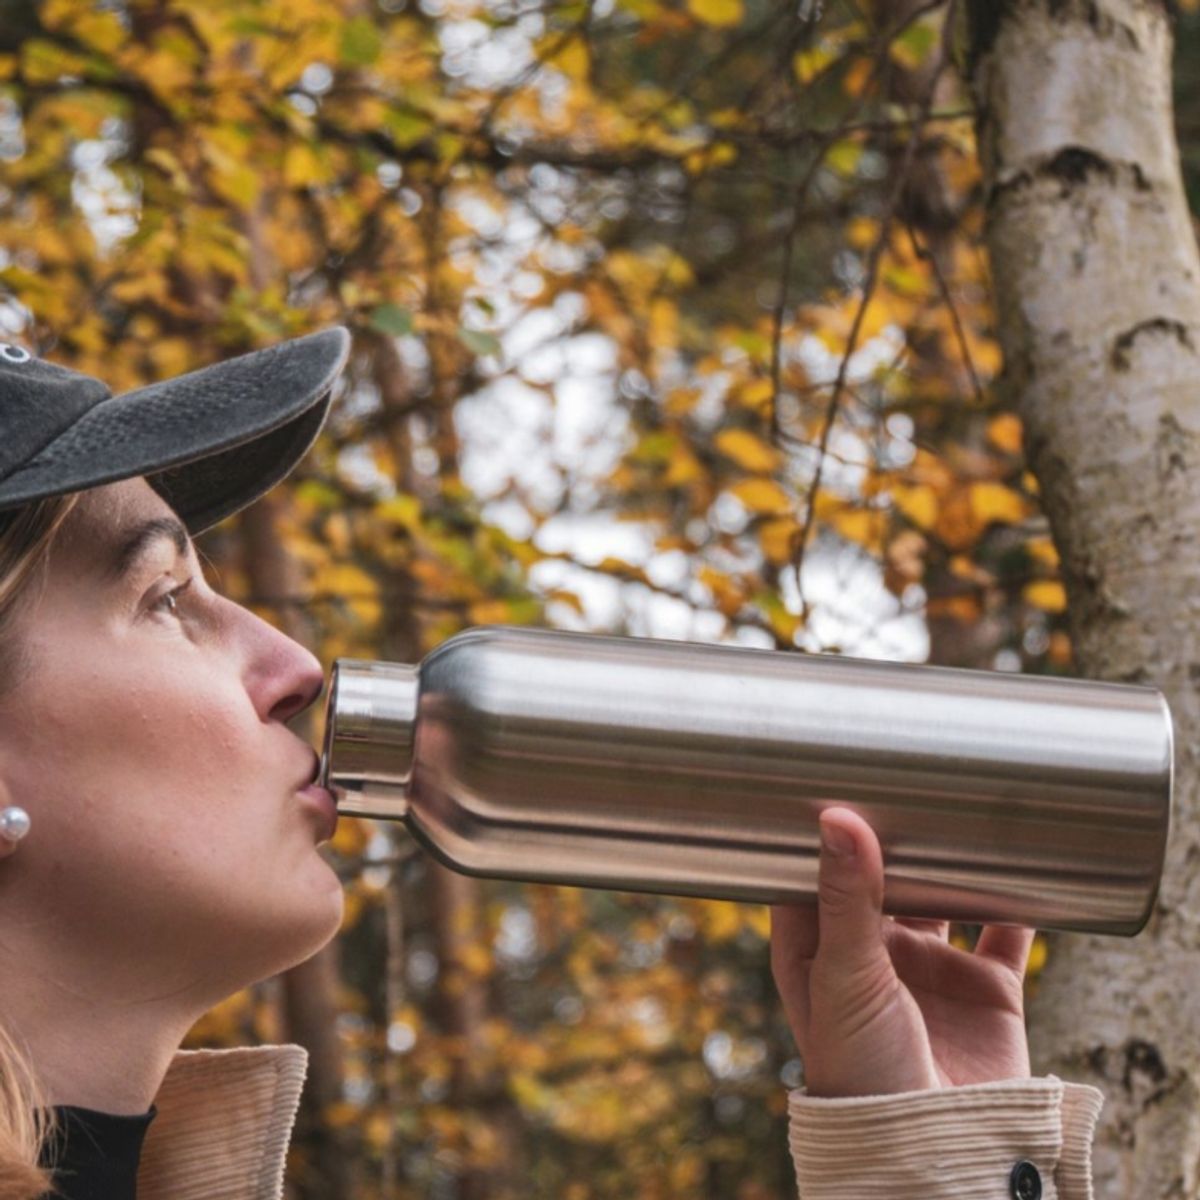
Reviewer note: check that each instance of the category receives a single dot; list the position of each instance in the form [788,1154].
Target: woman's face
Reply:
[168,851]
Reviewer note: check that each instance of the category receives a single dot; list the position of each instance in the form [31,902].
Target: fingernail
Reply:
[837,841]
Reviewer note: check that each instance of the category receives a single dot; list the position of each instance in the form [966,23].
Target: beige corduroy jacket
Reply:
[225,1118]
[223,1124]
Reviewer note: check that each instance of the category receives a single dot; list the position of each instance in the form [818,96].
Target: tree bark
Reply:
[454,904]
[929,208]
[1098,287]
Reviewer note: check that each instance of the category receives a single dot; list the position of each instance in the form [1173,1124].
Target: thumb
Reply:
[850,893]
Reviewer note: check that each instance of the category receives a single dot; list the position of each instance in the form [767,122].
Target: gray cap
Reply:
[209,442]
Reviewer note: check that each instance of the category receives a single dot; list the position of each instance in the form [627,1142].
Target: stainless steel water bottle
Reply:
[693,769]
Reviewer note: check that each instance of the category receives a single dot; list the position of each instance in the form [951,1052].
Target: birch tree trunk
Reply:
[1098,286]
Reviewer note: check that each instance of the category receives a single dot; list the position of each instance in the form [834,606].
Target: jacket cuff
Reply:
[945,1143]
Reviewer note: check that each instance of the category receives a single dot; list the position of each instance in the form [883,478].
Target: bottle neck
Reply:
[370,733]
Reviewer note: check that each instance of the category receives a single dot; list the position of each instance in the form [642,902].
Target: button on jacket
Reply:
[224,1119]
[1016,1139]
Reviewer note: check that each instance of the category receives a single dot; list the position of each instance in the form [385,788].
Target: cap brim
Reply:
[209,442]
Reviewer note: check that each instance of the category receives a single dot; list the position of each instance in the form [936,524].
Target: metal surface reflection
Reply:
[693,769]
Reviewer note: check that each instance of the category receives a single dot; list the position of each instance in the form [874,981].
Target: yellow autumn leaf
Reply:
[1004,432]
[844,156]
[857,76]
[679,401]
[865,527]
[100,30]
[683,467]
[1037,955]
[861,232]
[377,1128]
[995,502]
[163,69]
[964,608]
[919,504]
[340,1114]
[231,178]
[809,63]
[44,61]
[762,496]
[662,324]
[611,565]
[758,918]
[747,450]
[1043,550]
[571,599]
[756,395]
[1059,651]
[721,13]
[783,622]
[986,354]
[1046,594]
[729,597]
[719,920]
[488,612]
[302,166]
[345,579]
[351,838]
[571,59]
[477,959]
[403,508]
[776,537]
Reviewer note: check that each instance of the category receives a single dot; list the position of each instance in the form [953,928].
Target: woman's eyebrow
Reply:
[137,540]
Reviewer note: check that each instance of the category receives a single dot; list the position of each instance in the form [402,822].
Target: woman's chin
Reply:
[316,905]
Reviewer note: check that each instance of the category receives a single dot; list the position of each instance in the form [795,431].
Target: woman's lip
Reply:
[321,800]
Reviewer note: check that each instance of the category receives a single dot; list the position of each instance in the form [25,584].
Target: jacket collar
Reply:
[223,1125]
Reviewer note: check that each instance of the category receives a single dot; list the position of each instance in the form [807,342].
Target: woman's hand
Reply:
[885,1004]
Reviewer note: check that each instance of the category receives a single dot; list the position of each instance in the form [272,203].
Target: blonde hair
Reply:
[27,1121]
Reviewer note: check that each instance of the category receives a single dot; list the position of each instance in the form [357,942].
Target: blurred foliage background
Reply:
[671,318]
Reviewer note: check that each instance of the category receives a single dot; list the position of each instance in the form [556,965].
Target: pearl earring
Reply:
[14,823]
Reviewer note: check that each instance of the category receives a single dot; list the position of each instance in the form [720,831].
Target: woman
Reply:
[156,855]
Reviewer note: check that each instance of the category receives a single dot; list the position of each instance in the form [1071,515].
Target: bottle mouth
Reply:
[329,718]
[370,733]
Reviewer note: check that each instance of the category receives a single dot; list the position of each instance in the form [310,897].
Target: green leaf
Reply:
[361,43]
[654,447]
[843,156]
[318,493]
[524,610]
[911,47]
[402,508]
[407,128]
[392,319]
[479,342]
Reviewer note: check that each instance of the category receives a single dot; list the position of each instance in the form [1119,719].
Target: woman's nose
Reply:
[303,688]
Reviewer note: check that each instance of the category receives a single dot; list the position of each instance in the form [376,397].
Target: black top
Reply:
[95,1154]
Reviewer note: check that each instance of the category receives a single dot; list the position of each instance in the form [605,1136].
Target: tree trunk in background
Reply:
[454,906]
[929,208]
[1098,288]
[309,989]
[400,641]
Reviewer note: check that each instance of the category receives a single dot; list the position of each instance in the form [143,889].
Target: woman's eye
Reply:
[168,602]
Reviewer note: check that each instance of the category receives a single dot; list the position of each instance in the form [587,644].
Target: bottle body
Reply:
[692,769]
